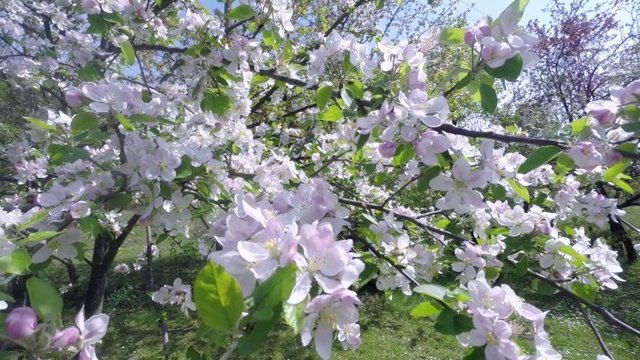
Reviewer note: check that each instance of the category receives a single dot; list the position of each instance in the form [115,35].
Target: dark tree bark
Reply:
[104,253]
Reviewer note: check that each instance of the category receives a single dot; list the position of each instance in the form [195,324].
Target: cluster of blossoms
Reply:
[500,41]
[578,260]
[34,338]
[261,236]
[418,261]
[500,318]
[176,294]
[606,124]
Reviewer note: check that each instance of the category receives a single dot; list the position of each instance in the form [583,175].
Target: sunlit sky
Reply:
[535,9]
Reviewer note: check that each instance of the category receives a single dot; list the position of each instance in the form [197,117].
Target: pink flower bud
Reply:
[485,29]
[21,323]
[470,36]
[66,337]
[387,149]
[73,99]
[415,80]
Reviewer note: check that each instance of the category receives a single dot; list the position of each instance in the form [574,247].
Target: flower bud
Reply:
[66,337]
[73,99]
[21,323]
[387,149]
[470,36]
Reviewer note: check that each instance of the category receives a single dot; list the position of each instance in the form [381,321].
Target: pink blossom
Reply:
[387,149]
[495,53]
[66,337]
[21,323]
[585,155]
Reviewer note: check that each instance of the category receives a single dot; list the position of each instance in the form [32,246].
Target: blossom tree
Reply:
[285,159]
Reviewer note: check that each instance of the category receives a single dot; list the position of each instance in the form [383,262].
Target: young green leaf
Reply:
[509,71]
[323,94]
[333,113]
[488,98]
[128,54]
[538,158]
[240,13]
[218,297]
[452,36]
[45,299]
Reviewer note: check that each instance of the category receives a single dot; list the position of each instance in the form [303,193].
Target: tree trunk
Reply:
[104,253]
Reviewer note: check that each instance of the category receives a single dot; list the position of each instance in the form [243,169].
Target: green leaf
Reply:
[143,118]
[452,36]
[488,98]
[362,140]
[435,291]
[250,343]
[294,315]
[287,51]
[510,70]
[323,94]
[97,25]
[564,164]
[270,38]
[333,113]
[450,322]
[578,258]
[543,288]
[61,154]
[16,263]
[499,192]
[632,127]
[90,225]
[613,171]
[538,158]
[580,126]
[184,171]
[519,190]
[83,121]
[216,103]
[36,218]
[128,54]
[474,353]
[218,297]
[192,353]
[518,7]
[426,309]
[427,175]
[623,185]
[276,289]
[118,201]
[240,13]
[45,299]
[355,89]
[89,73]
[39,236]
[6,297]
[41,124]
[126,124]
[585,291]
[403,154]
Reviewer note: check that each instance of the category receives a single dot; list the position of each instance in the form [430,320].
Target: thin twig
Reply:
[595,331]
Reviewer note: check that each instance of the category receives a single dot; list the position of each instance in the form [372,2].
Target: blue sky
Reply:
[534,10]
